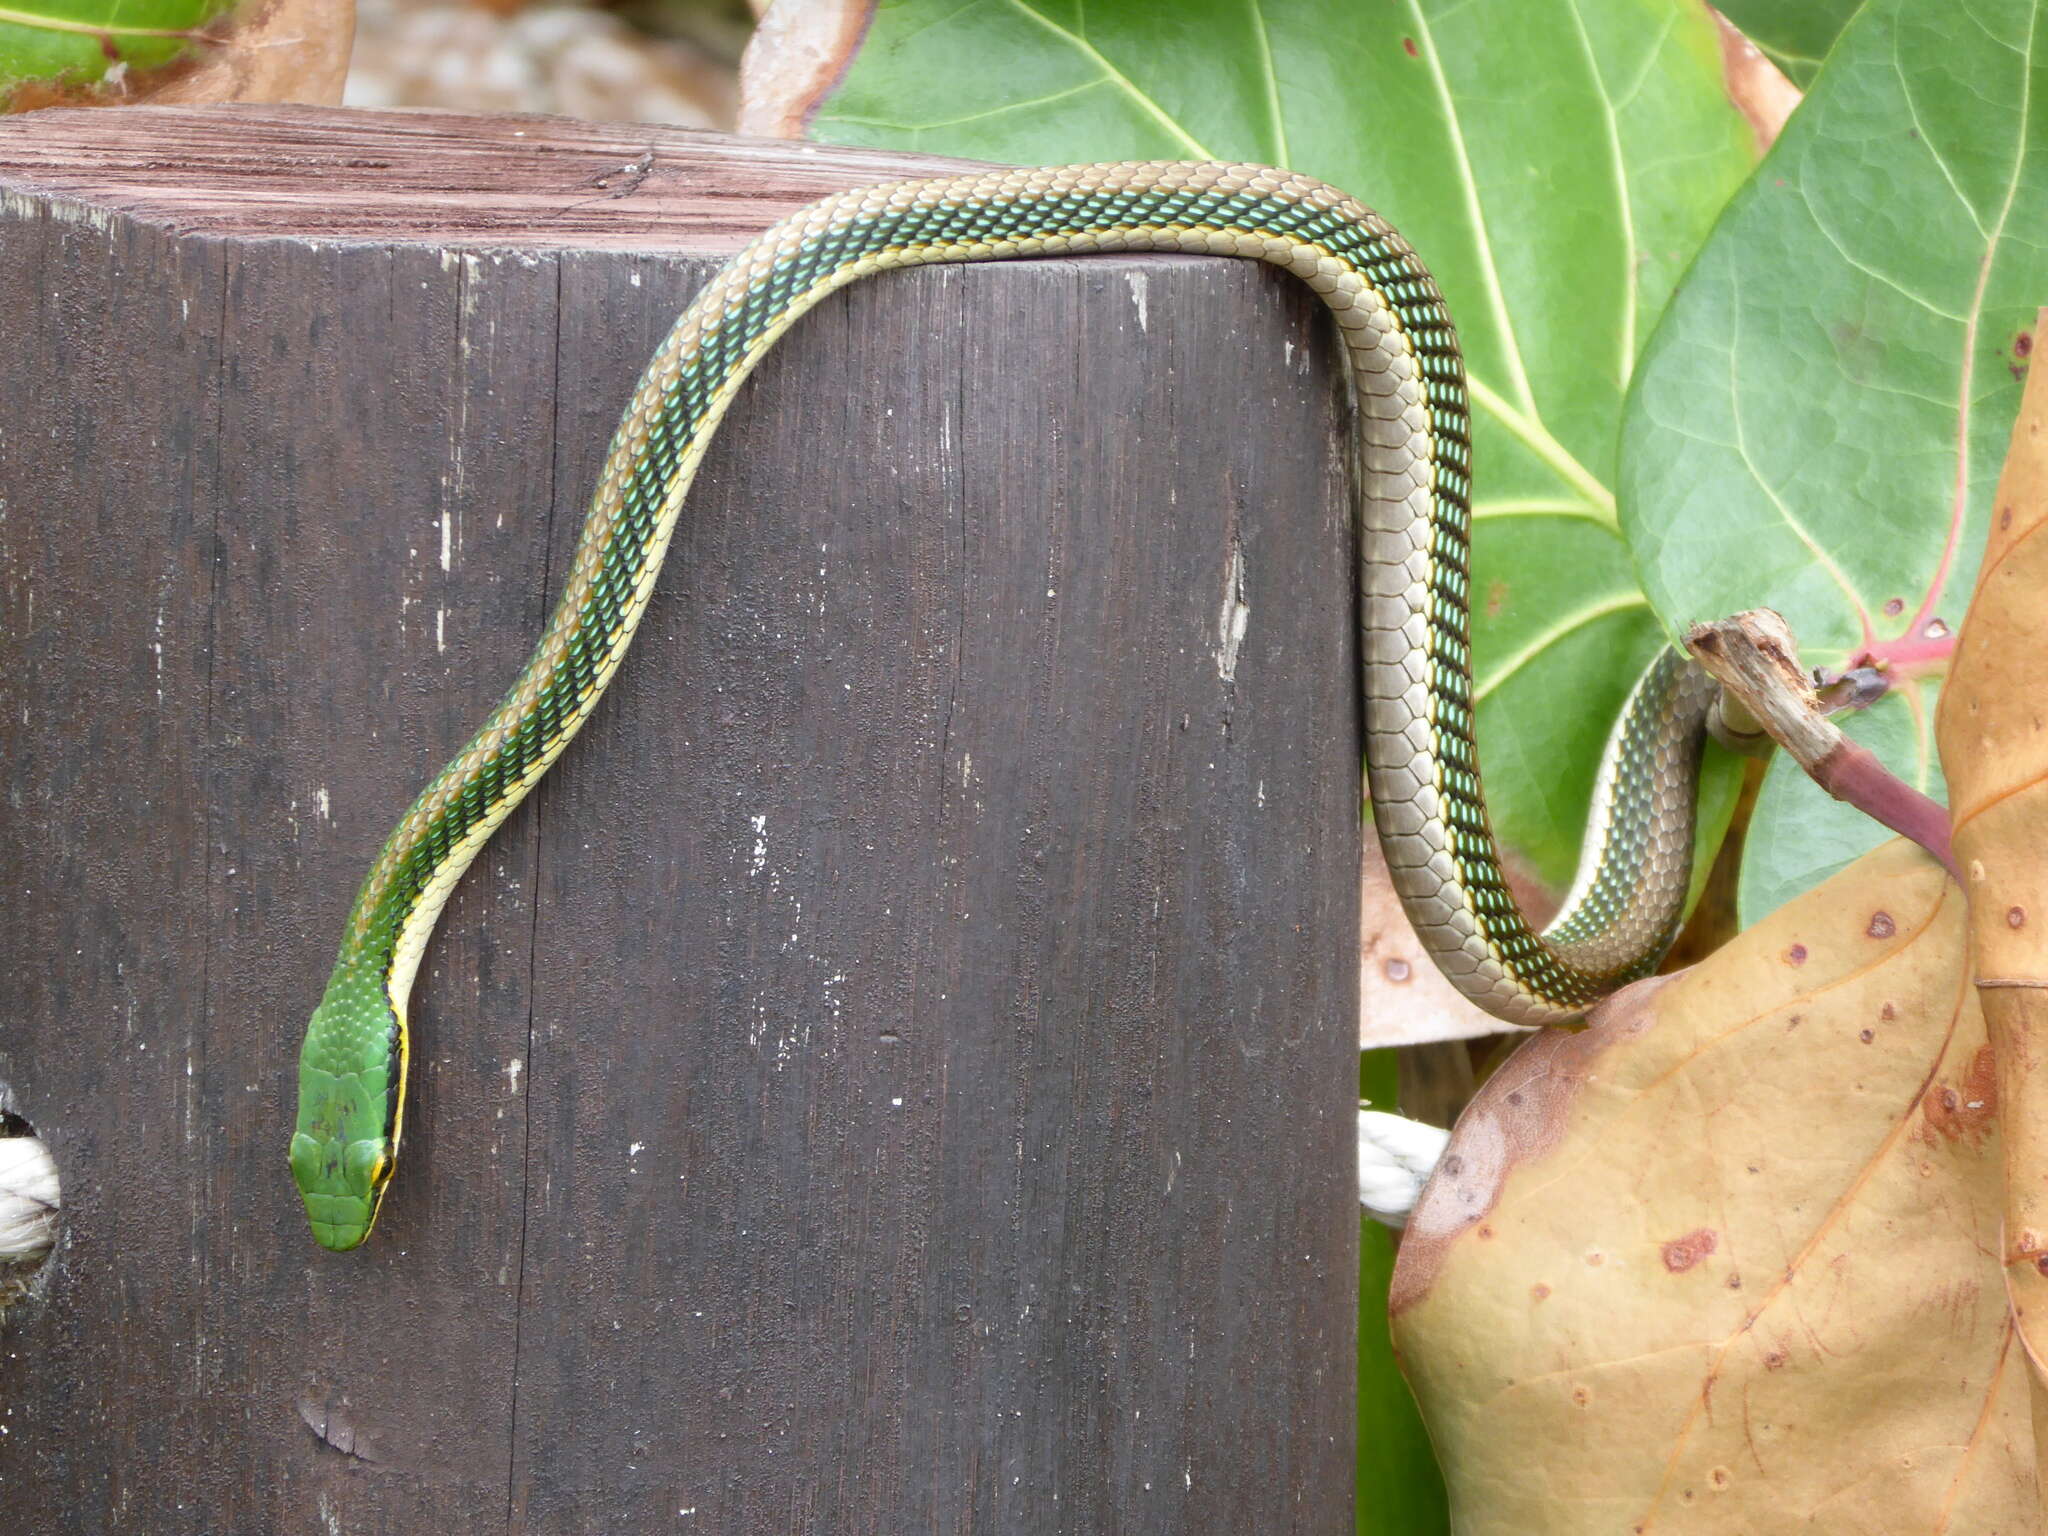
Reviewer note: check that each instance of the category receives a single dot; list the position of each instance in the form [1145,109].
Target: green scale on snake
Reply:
[1411,418]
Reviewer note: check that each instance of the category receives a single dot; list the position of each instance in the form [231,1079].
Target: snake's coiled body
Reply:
[1414,437]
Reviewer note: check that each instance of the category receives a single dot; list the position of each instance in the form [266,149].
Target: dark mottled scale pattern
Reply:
[557,684]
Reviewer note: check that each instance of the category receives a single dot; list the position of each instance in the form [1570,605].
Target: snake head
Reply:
[351,1082]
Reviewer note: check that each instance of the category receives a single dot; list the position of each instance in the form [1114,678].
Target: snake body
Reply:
[1414,435]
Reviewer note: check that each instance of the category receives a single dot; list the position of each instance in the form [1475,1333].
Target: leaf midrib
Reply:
[1110,72]
[90,28]
[1959,508]
[1521,418]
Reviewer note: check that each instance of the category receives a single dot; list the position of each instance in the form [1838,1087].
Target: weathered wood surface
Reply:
[894,1076]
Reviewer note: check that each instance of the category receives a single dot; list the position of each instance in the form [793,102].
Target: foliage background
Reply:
[1701,383]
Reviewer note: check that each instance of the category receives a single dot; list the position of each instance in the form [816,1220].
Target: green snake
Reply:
[1413,428]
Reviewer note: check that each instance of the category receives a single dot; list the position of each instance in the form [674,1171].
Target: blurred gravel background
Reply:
[667,61]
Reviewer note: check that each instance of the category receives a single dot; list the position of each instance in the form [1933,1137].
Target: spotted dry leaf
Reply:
[1993,732]
[1725,1262]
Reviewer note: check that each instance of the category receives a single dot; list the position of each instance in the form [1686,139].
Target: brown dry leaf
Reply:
[1993,732]
[286,50]
[1758,87]
[797,54]
[1725,1262]
[1403,999]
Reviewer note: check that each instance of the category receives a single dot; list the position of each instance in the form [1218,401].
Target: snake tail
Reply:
[1413,431]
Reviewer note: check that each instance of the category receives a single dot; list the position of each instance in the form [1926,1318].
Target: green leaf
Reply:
[1817,425]
[1720,792]
[1400,1490]
[1795,37]
[1556,162]
[71,45]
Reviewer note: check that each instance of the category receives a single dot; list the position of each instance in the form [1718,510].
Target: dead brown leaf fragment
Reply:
[1403,999]
[1737,1270]
[1756,85]
[796,56]
[1992,728]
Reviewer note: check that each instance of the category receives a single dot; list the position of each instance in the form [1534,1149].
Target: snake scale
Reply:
[1412,421]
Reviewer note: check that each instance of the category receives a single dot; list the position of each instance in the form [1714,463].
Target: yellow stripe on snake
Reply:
[1411,418]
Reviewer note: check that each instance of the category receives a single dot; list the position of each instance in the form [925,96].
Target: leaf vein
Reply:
[1927,142]
[971,117]
[1123,82]
[93,29]
[1959,507]
[1798,529]
[1618,165]
[1282,155]
[1547,448]
[1518,375]
[1576,620]
[1869,271]
[1656,49]
[1537,506]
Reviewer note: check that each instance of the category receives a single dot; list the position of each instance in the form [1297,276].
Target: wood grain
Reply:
[896,1073]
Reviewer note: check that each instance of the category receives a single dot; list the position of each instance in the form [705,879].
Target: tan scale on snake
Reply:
[1412,422]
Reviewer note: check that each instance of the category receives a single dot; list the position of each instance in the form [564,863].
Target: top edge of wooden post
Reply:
[458,179]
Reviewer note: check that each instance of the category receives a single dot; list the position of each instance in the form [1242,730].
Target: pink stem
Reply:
[1926,650]
[1852,774]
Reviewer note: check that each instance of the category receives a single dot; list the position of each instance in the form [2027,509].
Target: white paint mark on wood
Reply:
[1236,616]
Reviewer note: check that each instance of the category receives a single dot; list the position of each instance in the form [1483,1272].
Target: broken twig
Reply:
[1755,658]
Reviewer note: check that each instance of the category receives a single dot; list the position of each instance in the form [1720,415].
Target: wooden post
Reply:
[894,1076]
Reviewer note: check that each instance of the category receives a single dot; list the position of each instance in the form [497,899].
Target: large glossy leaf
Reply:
[1997,759]
[75,42]
[1795,34]
[1555,161]
[1726,1263]
[1818,421]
